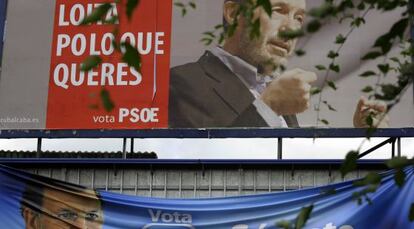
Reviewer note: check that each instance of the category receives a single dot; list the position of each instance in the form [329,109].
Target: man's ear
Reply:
[30,218]
[230,9]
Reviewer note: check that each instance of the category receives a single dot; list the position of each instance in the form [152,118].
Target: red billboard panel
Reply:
[140,98]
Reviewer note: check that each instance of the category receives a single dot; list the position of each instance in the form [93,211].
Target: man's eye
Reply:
[68,215]
[91,216]
[280,9]
[299,18]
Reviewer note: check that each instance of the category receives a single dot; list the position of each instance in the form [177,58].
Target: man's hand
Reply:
[377,110]
[290,93]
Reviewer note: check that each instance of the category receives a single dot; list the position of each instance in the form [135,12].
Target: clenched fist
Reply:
[377,110]
[290,93]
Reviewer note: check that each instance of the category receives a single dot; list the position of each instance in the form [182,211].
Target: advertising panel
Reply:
[188,78]
[31,201]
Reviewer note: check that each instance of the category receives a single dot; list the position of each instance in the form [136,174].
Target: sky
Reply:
[258,148]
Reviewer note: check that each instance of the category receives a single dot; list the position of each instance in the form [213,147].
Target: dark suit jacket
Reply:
[207,94]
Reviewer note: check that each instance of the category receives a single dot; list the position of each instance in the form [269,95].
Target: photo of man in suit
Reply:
[58,205]
[239,84]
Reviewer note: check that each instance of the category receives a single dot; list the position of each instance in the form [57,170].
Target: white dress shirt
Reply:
[254,82]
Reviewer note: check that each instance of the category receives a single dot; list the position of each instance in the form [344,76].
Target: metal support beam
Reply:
[124,156]
[39,147]
[280,148]
[390,140]
[398,147]
[393,148]
[132,145]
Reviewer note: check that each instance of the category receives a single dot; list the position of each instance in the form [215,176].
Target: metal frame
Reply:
[394,134]
[388,141]
[182,163]
[211,133]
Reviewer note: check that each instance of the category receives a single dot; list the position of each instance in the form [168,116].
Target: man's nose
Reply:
[289,23]
[81,223]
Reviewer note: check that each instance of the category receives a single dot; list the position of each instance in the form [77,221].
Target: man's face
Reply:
[269,50]
[68,210]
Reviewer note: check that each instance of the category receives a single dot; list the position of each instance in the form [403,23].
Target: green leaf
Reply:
[266,5]
[331,108]
[107,101]
[183,11]
[340,39]
[369,120]
[283,224]
[358,21]
[345,4]
[90,63]
[398,29]
[332,54]
[368,74]
[396,60]
[331,84]
[390,91]
[324,121]
[255,29]
[303,216]
[130,7]
[367,89]
[231,29]
[361,6]
[132,57]
[113,20]
[97,14]
[359,201]
[384,42]
[399,177]
[209,34]
[367,199]
[192,5]
[397,162]
[313,26]
[411,214]
[334,67]
[371,180]
[371,56]
[384,68]
[291,34]
[300,52]
[315,90]
[349,163]
[179,4]
[218,26]
[371,188]
[322,11]
[320,67]
[207,41]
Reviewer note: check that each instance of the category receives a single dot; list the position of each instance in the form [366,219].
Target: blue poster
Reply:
[31,201]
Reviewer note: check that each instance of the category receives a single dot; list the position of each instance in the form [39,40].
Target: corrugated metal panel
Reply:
[196,183]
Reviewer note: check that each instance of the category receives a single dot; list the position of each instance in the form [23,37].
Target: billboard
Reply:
[32,201]
[183,82]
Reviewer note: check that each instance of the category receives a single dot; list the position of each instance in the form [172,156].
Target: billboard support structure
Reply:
[280,148]
[211,133]
[394,135]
